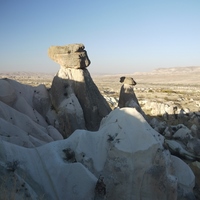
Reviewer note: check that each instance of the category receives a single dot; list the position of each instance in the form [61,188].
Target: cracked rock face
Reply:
[70,56]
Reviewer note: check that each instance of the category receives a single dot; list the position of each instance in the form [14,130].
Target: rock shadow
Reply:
[77,101]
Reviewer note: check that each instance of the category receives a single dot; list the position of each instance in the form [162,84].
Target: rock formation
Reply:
[127,97]
[126,153]
[180,140]
[70,56]
[167,109]
[74,95]
[124,159]
[23,113]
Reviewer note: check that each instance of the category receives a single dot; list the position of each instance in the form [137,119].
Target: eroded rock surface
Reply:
[24,114]
[127,94]
[125,151]
[70,56]
[74,95]
[125,158]
[127,97]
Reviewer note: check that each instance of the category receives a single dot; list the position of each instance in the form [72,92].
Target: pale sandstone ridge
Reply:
[74,95]
[70,56]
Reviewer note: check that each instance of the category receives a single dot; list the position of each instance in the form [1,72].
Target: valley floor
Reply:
[183,88]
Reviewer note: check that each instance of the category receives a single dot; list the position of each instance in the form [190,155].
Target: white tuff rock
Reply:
[74,95]
[126,151]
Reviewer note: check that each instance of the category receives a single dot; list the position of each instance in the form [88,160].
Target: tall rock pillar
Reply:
[74,95]
[127,97]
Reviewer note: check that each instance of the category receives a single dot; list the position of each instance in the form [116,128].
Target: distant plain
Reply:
[162,85]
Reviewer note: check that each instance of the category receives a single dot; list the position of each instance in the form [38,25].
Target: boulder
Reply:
[195,129]
[169,110]
[195,166]
[70,56]
[183,133]
[158,125]
[127,80]
[194,118]
[186,182]
[181,142]
[193,146]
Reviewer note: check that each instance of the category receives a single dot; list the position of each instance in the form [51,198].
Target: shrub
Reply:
[69,155]
[12,165]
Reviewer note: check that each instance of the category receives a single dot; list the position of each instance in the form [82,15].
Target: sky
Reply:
[119,36]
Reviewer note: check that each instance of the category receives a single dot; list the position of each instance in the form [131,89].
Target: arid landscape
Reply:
[180,85]
[33,115]
[100,100]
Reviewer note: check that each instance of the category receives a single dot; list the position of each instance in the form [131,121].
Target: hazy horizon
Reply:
[119,37]
[13,72]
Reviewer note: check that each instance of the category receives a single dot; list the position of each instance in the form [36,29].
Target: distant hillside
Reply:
[174,75]
[24,73]
[190,69]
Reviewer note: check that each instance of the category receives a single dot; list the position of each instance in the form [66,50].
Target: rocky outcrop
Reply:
[24,114]
[74,95]
[180,140]
[167,109]
[124,159]
[127,97]
[127,94]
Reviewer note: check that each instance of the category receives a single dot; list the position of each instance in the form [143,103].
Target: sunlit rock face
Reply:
[74,95]
[125,151]
[70,56]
